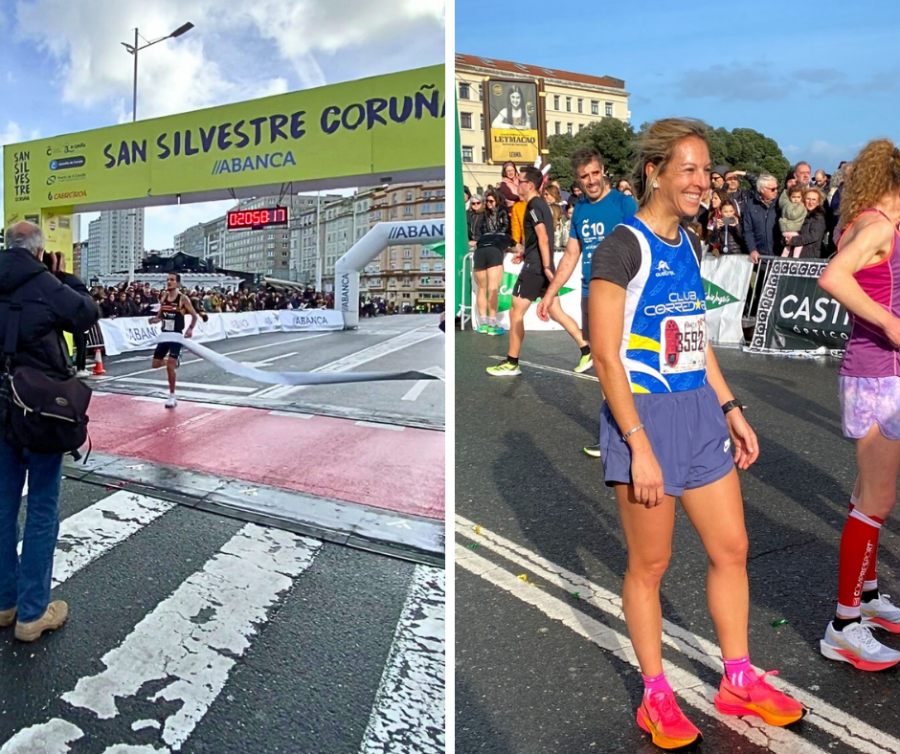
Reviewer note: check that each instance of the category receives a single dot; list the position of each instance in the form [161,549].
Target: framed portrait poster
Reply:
[513,115]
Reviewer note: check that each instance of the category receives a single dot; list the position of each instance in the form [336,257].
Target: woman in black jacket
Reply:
[494,218]
[812,234]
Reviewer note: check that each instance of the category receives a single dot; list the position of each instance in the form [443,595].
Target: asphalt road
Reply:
[198,633]
[383,344]
[542,658]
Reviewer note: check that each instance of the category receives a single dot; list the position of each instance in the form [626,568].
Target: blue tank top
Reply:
[664,338]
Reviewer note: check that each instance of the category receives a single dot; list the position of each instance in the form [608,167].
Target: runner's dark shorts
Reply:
[485,257]
[687,432]
[167,349]
[531,285]
[585,319]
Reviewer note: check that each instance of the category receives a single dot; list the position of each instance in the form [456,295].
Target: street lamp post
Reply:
[134,50]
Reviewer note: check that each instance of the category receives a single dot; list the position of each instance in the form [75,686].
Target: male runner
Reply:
[536,275]
[592,219]
[173,305]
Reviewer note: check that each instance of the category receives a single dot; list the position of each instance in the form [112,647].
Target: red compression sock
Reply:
[859,546]
[871,577]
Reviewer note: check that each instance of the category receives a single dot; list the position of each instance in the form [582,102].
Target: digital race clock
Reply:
[240,219]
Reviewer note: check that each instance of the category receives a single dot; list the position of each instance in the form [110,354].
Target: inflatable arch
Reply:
[383,235]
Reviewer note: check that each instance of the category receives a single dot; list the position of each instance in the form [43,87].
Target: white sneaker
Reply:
[856,645]
[81,373]
[880,613]
[171,402]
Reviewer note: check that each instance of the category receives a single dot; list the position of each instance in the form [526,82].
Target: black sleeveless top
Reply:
[171,313]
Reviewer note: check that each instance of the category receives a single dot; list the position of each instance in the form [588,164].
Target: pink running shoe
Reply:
[758,698]
[661,717]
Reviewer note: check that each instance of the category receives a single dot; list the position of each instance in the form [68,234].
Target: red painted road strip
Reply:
[324,456]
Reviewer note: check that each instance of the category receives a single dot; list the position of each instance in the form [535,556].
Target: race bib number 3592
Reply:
[683,342]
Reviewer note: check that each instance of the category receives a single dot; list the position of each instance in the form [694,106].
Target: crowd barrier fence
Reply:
[124,334]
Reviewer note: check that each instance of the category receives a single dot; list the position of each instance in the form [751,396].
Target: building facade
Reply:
[114,238]
[191,241]
[411,274]
[571,101]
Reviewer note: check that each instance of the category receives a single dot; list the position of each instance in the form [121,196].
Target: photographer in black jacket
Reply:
[52,301]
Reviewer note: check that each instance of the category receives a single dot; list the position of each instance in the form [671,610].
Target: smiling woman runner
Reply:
[865,278]
[668,426]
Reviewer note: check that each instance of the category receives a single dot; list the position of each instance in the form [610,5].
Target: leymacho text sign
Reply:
[513,120]
[354,133]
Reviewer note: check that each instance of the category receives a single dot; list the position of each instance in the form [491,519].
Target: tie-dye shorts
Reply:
[866,401]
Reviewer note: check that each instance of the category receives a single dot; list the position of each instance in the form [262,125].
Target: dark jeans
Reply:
[80,339]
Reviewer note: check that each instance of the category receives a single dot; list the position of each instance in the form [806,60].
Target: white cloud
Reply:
[822,154]
[232,54]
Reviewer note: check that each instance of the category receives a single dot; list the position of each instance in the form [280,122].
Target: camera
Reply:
[729,220]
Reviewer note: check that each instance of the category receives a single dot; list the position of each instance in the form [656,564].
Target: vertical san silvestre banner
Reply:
[386,127]
[513,119]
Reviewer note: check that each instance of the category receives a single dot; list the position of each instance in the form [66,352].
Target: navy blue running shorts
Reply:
[687,432]
[163,350]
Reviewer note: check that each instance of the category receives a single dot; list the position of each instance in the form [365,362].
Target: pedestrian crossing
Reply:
[181,619]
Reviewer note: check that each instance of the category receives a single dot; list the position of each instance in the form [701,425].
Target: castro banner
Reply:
[795,315]
[569,298]
[726,280]
[349,134]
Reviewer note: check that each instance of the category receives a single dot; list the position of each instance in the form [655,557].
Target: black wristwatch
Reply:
[735,403]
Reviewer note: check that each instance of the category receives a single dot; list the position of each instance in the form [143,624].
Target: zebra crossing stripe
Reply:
[94,531]
[408,715]
[190,641]
[53,737]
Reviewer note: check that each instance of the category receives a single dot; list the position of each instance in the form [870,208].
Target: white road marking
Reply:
[846,728]
[193,639]
[544,367]
[400,524]
[141,724]
[354,360]
[293,414]
[87,535]
[188,362]
[416,390]
[375,425]
[688,686]
[408,715]
[200,385]
[268,362]
[189,394]
[52,737]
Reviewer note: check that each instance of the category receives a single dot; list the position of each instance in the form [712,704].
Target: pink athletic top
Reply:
[869,353]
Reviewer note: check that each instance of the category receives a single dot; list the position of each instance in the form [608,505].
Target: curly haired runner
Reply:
[865,278]
[668,425]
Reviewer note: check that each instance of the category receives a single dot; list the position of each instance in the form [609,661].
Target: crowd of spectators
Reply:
[742,213]
[141,299]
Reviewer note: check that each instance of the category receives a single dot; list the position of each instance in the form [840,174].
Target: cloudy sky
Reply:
[63,69]
[821,78]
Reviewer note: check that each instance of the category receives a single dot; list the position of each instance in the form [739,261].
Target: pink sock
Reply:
[739,671]
[655,684]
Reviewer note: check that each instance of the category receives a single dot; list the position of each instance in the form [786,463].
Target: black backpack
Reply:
[43,414]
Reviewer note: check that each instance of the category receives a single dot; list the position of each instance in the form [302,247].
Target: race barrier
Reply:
[795,316]
[726,280]
[569,298]
[125,334]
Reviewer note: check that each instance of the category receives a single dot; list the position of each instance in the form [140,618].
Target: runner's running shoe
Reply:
[483,329]
[586,363]
[171,402]
[593,450]
[856,645]
[880,613]
[496,330]
[758,698]
[661,717]
[504,369]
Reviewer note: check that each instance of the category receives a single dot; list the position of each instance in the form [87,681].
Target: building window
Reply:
[407,253]
[393,253]
[424,267]
[569,128]
[407,265]
[595,107]
[481,121]
[556,102]
[407,210]
[568,104]
[580,105]
[484,154]
[467,154]
[463,90]
[558,127]
[409,196]
[609,112]
[465,120]
[580,127]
